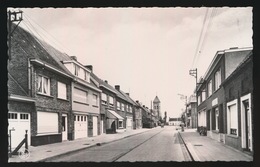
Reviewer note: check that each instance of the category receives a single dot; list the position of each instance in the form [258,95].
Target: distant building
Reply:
[156,110]
[174,121]
[192,112]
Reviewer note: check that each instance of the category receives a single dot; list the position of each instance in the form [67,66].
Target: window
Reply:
[80,96]
[203,95]
[24,116]
[199,101]
[95,100]
[118,105]
[232,119]
[120,123]
[104,98]
[62,90]
[76,69]
[12,115]
[111,101]
[216,116]
[87,76]
[43,85]
[50,126]
[210,88]
[123,107]
[217,79]
[130,109]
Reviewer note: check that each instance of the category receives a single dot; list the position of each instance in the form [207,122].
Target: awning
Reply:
[111,112]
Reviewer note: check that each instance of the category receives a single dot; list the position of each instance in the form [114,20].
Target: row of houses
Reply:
[224,99]
[56,98]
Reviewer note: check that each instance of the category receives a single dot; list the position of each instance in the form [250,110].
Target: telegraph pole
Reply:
[15,16]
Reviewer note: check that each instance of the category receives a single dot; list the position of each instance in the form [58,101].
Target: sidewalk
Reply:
[203,148]
[44,152]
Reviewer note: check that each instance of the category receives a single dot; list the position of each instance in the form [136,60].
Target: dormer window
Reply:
[76,70]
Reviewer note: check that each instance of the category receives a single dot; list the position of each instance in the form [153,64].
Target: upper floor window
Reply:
[123,107]
[43,85]
[217,79]
[80,96]
[95,100]
[111,101]
[118,105]
[104,98]
[76,69]
[203,95]
[210,88]
[130,109]
[199,100]
[62,90]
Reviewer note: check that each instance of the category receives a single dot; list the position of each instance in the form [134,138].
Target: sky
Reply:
[147,51]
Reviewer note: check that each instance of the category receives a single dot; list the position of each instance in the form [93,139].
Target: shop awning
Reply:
[113,113]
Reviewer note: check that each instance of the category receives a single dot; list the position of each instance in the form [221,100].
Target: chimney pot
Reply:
[127,94]
[117,87]
[89,67]
[106,81]
[73,57]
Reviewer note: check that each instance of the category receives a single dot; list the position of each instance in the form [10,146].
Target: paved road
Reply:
[159,144]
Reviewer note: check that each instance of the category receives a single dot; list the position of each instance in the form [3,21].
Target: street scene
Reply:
[130,84]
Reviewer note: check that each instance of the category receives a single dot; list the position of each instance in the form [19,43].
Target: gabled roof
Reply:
[14,87]
[156,99]
[128,98]
[35,48]
[103,83]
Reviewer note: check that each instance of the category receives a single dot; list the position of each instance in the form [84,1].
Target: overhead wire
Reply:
[201,33]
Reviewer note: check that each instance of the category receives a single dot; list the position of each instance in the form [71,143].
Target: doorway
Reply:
[64,127]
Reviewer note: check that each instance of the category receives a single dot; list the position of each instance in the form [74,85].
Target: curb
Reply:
[80,149]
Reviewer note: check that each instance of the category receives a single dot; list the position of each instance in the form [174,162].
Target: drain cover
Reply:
[198,145]
[98,144]
[86,144]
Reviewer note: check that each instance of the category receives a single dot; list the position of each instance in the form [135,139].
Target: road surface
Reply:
[158,144]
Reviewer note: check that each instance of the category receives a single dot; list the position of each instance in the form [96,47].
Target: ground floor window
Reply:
[47,122]
[232,118]
[120,123]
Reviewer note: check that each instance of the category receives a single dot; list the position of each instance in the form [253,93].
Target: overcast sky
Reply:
[147,51]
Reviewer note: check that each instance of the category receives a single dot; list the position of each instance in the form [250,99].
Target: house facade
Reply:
[239,107]
[211,95]
[129,108]
[174,121]
[39,90]
[137,116]
[192,117]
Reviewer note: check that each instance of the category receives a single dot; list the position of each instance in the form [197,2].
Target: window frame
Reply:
[42,77]
[58,90]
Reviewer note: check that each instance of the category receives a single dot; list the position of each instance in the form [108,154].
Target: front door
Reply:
[95,125]
[248,125]
[64,127]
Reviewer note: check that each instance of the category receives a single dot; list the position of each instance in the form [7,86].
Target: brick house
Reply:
[137,116]
[147,121]
[239,107]
[39,90]
[85,97]
[210,93]
[128,106]
[110,119]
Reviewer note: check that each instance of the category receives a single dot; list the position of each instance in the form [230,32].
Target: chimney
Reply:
[127,94]
[106,81]
[73,58]
[137,101]
[90,67]
[117,87]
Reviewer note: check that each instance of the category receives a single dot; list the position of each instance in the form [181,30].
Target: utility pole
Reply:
[15,16]
[193,72]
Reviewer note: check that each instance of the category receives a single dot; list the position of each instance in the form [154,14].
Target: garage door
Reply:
[80,126]
[95,126]
[19,122]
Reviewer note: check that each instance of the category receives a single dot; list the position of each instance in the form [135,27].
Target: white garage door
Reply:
[95,126]
[19,122]
[80,126]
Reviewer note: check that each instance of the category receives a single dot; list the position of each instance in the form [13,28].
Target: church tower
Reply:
[157,106]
